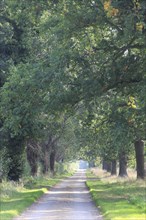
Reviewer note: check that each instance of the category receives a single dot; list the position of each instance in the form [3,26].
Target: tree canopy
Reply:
[72,71]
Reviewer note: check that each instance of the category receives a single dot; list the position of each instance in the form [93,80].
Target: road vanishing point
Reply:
[68,200]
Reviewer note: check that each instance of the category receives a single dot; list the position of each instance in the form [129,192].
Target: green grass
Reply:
[15,197]
[119,199]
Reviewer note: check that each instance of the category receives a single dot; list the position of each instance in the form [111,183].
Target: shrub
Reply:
[4,163]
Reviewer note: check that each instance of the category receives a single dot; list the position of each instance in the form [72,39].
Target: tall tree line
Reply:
[72,58]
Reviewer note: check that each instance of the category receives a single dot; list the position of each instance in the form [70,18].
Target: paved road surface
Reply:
[68,200]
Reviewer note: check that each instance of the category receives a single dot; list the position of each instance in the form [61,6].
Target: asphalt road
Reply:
[68,200]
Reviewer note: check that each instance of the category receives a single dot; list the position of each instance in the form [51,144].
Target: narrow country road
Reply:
[68,200]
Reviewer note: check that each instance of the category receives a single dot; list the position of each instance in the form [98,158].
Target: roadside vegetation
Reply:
[72,86]
[118,198]
[17,196]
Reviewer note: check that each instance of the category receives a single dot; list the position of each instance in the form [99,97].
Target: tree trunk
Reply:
[52,161]
[109,167]
[114,167]
[123,165]
[44,157]
[104,165]
[139,152]
[32,156]
[16,156]
[45,161]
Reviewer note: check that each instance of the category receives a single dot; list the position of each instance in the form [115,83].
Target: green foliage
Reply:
[16,197]
[16,159]
[4,163]
[73,58]
[19,110]
[118,200]
[66,167]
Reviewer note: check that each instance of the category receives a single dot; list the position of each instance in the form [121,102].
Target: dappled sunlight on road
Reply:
[68,200]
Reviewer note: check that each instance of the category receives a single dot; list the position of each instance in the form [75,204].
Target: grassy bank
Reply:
[15,198]
[118,199]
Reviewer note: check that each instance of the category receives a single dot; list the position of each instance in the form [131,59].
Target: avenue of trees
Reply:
[72,84]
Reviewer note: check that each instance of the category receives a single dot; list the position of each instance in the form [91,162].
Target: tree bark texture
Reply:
[44,159]
[123,164]
[109,167]
[139,153]
[106,165]
[32,156]
[114,167]
[52,161]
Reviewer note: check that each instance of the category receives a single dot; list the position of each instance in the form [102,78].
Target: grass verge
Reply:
[118,199]
[15,198]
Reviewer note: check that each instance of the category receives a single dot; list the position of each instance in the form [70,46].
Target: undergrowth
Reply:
[16,197]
